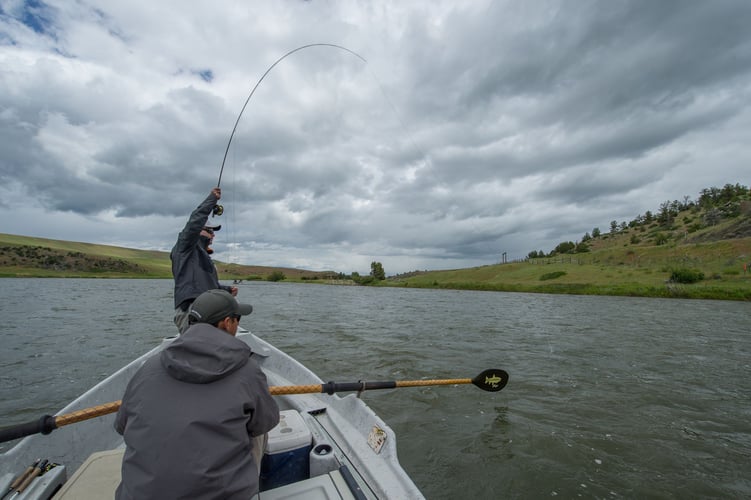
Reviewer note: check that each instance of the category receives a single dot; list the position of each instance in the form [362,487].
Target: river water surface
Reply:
[608,397]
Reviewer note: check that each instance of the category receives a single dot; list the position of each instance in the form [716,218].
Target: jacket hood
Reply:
[204,354]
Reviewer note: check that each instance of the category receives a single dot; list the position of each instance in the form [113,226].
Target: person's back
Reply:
[189,416]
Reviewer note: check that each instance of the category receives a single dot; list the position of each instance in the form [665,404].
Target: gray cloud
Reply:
[475,128]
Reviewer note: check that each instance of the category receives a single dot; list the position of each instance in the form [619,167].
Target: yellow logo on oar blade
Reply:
[494,380]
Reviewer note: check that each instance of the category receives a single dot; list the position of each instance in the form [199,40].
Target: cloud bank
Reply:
[473,129]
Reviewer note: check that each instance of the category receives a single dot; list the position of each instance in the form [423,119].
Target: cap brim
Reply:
[244,309]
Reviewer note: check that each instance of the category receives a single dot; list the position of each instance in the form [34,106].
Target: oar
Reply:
[492,380]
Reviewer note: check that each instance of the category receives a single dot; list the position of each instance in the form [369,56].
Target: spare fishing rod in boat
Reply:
[219,209]
[38,470]
[491,380]
[21,478]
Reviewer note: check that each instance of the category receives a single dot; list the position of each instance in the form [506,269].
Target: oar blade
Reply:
[492,380]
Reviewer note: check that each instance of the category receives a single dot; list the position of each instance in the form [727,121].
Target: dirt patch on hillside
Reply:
[739,229]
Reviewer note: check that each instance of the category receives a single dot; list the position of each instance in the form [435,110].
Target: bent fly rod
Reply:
[219,209]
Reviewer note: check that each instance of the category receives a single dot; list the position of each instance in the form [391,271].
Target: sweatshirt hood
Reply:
[204,354]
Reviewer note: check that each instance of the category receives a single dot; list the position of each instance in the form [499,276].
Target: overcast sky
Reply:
[474,128]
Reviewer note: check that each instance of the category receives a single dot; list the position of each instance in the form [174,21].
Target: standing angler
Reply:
[192,268]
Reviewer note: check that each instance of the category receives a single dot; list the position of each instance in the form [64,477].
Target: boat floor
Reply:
[99,476]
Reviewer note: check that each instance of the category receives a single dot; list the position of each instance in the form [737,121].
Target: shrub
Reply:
[552,276]
[685,275]
[276,276]
[660,239]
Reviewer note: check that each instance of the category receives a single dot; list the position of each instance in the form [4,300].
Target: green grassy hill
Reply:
[24,256]
[635,260]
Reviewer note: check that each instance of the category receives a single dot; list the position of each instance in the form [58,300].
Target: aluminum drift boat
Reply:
[325,447]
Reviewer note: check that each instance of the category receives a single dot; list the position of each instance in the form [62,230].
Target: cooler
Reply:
[287,452]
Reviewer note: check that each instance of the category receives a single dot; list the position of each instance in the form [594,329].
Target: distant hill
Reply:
[690,249]
[25,256]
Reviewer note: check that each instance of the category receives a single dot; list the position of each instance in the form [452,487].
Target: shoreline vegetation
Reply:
[690,249]
[725,267]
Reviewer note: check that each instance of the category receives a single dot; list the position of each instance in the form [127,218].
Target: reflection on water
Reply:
[608,397]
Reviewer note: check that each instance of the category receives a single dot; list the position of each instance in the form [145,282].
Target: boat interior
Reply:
[325,447]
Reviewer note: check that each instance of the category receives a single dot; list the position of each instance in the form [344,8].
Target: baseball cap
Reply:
[215,305]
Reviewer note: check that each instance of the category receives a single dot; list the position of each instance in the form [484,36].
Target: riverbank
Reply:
[582,279]
[615,267]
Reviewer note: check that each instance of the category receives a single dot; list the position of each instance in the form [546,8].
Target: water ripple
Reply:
[609,397]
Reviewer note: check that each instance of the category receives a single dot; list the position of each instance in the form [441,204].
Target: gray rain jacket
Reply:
[188,416]
[192,267]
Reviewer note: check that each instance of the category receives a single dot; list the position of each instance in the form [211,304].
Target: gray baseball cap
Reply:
[214,305]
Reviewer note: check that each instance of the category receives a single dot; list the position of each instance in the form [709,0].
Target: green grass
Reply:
[86,260]
[616,265]
[613,267]
[621,264]
[580,280]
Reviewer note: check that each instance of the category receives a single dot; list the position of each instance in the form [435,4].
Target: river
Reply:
[609,397]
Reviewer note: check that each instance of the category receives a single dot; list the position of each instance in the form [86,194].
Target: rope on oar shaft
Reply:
[421,383]
[281,390]
[87,413]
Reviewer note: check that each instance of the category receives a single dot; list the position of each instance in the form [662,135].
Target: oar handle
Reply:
[48,423]
[43,425]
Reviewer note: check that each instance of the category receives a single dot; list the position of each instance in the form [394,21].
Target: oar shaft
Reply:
[334,387]
[488,380]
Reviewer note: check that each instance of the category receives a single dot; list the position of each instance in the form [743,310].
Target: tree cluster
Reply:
[715,203]
[376,274]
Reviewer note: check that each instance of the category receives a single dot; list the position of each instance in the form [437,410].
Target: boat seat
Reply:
[330,486]
[97,477]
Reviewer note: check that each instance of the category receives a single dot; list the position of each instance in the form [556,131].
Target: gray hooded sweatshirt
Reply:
[188,416]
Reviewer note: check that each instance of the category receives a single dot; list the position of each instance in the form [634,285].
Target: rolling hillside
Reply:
[24,256]
[646,257]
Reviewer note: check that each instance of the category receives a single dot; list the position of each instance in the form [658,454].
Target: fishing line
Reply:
[264,76]
[219,209]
